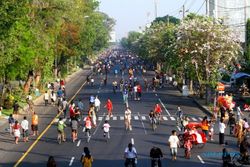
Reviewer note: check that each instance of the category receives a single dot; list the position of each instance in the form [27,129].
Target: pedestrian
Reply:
[125,96]
[46,98]
[65,107]
[231,122]
[174,144]
[72,110]
[80,106]
[222,112]
[127,119]
[238,131]
[86,158]
[205,126]
[239,113]
[53,97]
[25,128]
[106,128]
[211,129]
[135,92]
[109,107]
[34,124]
[60,129]
[222,128]
[92,115]
[97,104]
[156,155]
[74,129]
[179,115]
[51,162]
[15,108]
[185,122]
[16,131]
[139,91]
[11,121]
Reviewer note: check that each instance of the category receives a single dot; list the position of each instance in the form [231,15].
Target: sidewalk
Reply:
[40,99]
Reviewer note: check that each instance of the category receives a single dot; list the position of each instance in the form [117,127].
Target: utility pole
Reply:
[183,11]
[207,7]
[156,12]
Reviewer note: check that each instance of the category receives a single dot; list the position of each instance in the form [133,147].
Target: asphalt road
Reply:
[110,154]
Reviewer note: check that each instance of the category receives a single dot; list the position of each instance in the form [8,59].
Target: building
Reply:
[233,13]
[112,37]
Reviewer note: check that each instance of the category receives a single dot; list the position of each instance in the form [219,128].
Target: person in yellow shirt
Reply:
[205,125]
[86,159]
[34,124]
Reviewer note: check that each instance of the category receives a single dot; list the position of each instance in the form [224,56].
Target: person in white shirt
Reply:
[97,104]
[222,128]
[174,144]
[46,98]
[106,127]
[127,119]
[25,129]
[135,92]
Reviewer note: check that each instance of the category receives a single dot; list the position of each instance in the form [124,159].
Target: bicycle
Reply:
[153,123]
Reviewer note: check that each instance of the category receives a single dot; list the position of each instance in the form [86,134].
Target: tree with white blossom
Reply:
[205,46]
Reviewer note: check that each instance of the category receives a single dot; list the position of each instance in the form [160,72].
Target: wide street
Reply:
[111,153]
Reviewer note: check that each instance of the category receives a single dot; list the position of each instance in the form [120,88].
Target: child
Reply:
[188,147]
[105,128]
[211,130]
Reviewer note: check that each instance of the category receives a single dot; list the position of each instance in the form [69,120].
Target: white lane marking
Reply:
[143,118]
[98,91]
[71,161]
[78,143]
[194,119]
[136,117]
[98,125]
[121,117]
[100,118]
[165,118]
[178,128]
[142,124]
[132,141]
[199,157]
[156,95]
[164,107]
[200,118]
[107,118]
[114,118]
[172,118]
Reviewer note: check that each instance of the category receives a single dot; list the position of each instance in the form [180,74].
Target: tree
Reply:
[167,19]
[248,41]
[206,46]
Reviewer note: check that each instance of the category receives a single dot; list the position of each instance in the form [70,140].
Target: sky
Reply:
[132,14]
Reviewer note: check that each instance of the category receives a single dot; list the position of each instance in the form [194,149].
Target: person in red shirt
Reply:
[72,111]
[158,112]
[109,107]
[139,90]
[16,131]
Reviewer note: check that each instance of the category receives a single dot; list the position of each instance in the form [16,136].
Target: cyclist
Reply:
[156,155]
[179,115]
[127,119]
[158,112]
[130,155]
[152,118]
[105,128]
[60,128]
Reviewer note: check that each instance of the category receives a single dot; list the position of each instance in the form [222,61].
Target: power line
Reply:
[201,7]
